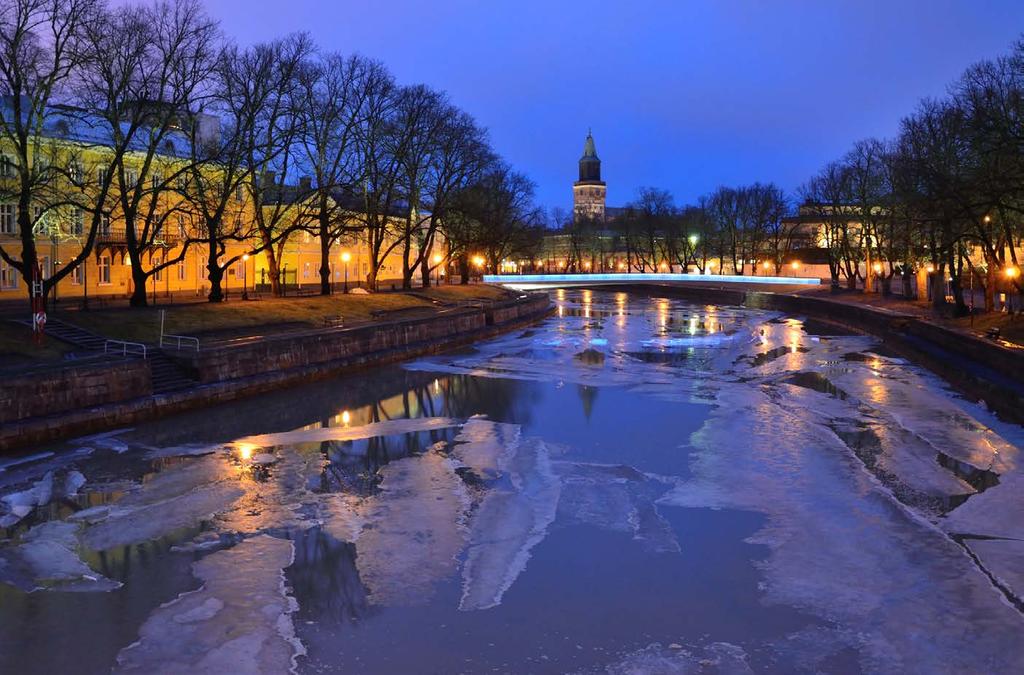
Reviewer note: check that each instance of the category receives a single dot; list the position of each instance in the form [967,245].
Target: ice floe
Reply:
[513,517]
[239,621]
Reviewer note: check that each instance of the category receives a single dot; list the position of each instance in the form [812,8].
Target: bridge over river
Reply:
[542,281]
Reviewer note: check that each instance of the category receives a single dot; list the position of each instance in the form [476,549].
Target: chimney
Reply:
[306,183]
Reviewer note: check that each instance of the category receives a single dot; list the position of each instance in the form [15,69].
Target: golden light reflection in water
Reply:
[245,451]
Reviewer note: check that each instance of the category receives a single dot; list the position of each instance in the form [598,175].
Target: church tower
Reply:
[588,193]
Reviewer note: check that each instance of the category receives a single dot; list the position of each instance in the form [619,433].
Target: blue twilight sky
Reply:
[680,95]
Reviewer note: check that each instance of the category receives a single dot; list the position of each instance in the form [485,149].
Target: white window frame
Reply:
[103,270]
[8,218]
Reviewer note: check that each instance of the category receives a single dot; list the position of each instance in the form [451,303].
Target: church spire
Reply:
[589,150]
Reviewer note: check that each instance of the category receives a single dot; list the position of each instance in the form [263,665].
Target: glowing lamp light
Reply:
[345,256]
[930,268]
[795,264]
[478,261]
[1012,272]
[878,268]
[711,264]
[245,257]
[438,258]
[765,264]
[988,219]
[346,417]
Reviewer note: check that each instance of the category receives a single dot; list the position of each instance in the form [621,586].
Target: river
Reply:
[637,484]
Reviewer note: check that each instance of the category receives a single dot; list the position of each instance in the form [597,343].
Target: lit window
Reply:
[8,276]
[158,272]
[8,218]
[104,270]
[76,275]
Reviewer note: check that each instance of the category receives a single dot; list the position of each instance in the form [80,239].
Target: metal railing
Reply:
[176,341]
[124,348]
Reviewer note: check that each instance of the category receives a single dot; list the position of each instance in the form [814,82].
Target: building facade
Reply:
[177,252]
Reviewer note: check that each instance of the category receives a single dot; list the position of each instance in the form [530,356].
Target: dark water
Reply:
[576,546]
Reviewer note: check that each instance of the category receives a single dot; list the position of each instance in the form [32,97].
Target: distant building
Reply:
[589,192]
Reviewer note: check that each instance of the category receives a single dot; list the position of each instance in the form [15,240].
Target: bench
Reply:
[334,321]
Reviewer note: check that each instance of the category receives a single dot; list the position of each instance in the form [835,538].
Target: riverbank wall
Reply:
[55,403]
[979,368]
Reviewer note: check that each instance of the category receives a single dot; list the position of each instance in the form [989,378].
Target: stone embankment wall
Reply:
[47,391]
[118,394]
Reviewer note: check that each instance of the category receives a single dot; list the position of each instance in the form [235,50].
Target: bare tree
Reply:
[338,95]
[40,51]
[148,67]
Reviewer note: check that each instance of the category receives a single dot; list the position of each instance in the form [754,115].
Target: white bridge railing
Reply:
[176,341]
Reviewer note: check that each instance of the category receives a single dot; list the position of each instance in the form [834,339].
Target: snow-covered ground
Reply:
[753,493]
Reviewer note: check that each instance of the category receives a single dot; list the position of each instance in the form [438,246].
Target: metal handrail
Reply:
[178,340]
[124,347]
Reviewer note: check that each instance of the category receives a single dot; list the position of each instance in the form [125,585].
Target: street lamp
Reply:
[345,257]
[245,276]
[437,270]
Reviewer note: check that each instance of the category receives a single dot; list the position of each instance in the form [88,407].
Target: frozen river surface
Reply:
[636,485]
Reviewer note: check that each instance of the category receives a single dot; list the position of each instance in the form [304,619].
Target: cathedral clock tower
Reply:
[588,193]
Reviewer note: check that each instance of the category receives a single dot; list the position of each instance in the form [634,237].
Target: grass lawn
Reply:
[236,316]
[17,347]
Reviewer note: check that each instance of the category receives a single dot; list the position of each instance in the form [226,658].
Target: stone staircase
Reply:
[168,375]
[71,334]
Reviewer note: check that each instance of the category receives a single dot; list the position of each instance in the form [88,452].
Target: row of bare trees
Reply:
[946,195]
[147,117]
[727,228]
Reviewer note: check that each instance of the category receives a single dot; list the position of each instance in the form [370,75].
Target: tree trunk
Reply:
[938,287]
[138,298]
[325,256]
[216,282]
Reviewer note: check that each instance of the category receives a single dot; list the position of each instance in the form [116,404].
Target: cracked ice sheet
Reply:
[901,452]
[413,530]
[486,447]
[238,622]
[619,498]
[842,548]
[47,559]
[179,496]
[317,435]
[720,658]
[513,517]
[922,403]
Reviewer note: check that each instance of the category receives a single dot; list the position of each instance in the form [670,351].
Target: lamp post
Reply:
[437,270]
[245,276]
[345,257]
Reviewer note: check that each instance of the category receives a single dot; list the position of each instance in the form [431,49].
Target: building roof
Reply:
[589,149]
[78,125]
